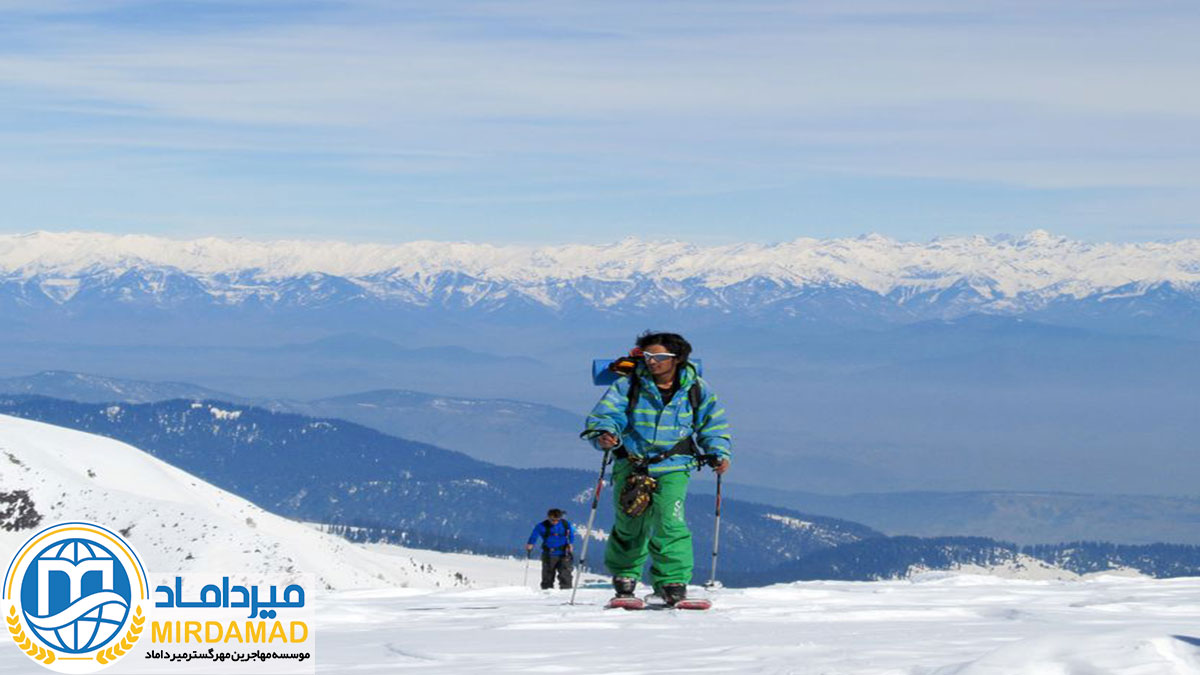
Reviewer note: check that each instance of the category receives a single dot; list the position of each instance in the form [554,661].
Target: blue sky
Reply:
[385,120]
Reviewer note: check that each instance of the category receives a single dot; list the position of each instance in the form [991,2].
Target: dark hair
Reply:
[554,513]
[673,342]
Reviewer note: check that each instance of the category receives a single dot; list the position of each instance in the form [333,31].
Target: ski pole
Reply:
[528,555]
[587,531]
[712,580]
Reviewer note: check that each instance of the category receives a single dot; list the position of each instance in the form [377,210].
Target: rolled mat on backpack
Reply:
[602,375]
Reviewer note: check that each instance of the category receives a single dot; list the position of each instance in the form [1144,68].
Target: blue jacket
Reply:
[657,427]
[554,538]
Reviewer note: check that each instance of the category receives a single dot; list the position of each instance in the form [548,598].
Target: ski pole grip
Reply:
[592,434]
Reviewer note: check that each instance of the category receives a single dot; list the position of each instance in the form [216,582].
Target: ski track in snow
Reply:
[937,624]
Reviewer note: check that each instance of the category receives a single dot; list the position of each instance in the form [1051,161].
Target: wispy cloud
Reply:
[487,99]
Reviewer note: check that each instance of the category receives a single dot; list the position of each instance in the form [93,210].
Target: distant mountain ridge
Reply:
[99,389]
[947,277]
[339,473]
[371,487]
[531,434]
[901,557]
[1025,518]
[504,431]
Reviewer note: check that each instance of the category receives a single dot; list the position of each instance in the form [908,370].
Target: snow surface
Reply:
[1001,266]
[178,522]
[937,623]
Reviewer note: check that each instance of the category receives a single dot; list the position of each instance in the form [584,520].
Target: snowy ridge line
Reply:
[995,267]
[179,522]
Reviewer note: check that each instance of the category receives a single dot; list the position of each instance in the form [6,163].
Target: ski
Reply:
[621,602]
[654,601]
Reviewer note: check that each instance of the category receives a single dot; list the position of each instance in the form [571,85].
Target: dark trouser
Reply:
[560,564]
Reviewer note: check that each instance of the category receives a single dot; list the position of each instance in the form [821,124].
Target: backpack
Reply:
[546,525]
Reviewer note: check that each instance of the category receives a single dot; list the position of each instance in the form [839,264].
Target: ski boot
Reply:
[673,593]
[674,596]
[624,586]
[625,599]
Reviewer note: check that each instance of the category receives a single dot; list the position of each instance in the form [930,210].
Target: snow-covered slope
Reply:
[178,522]
[935,625]
[998,273]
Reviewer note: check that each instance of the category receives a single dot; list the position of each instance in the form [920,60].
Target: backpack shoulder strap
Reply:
[635,392]
[695,399]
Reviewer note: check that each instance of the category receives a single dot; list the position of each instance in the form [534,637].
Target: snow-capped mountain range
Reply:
[947,276]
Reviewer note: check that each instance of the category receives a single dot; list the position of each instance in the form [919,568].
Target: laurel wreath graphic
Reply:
[131,636]
[39,654]
[43,655]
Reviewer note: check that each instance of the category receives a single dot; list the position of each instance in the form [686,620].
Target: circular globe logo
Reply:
[75,593]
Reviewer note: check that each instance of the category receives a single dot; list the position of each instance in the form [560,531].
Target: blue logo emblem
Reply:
[75,595]
[73,589]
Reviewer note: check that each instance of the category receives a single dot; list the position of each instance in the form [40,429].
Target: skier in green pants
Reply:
[658,420]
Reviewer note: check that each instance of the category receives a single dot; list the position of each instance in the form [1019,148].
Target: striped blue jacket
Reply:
[656,427]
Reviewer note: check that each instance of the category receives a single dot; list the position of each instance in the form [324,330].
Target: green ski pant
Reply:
[660,531]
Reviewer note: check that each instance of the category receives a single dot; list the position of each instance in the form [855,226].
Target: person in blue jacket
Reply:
[558,537]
